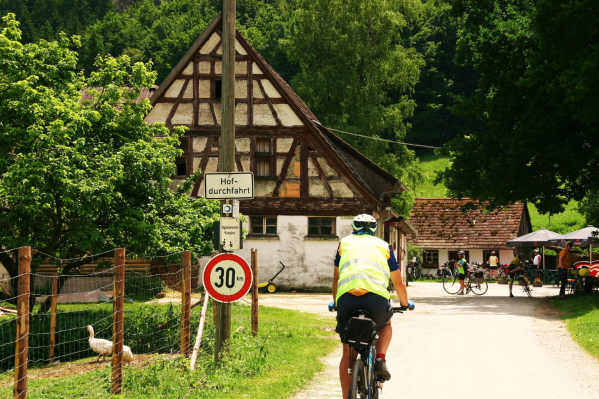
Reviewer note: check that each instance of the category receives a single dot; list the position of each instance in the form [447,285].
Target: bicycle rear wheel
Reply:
[479,286]
[451,284]
[356,389]
[372,377]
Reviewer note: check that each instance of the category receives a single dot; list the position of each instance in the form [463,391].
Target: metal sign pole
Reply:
[226,159]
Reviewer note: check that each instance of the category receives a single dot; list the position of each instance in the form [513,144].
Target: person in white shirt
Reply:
[536,261]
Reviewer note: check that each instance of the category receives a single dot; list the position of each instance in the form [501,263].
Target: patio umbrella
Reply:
[538,238]
[583,237]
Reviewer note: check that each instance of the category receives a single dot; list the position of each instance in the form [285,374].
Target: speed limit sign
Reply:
[227,277]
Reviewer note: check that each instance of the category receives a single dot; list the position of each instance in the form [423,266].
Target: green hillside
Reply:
[569,220]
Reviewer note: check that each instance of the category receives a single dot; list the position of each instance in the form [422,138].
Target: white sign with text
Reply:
[233,185]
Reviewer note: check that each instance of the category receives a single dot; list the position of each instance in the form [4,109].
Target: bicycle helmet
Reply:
[460,252]
[364,222]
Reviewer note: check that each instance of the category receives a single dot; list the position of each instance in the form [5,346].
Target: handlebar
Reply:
[396,309]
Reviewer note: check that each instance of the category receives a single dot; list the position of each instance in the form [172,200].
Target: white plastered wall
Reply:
[476,256]
[308,261]
[506,256]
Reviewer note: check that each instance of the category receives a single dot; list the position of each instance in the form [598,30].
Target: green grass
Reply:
[568,220]
[275,364]
[429,165]
[581,314]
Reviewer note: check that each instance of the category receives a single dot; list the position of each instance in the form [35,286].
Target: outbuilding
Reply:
[447,225]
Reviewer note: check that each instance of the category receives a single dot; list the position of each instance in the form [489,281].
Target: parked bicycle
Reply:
[445,270]
[414,271]
[362,338]
[474,282]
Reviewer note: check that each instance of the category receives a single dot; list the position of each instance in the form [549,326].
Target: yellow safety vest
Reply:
[363,265]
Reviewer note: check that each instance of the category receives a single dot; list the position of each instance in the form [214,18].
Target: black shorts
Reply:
[378,308]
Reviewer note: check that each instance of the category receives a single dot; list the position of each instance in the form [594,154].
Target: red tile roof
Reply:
[445,223]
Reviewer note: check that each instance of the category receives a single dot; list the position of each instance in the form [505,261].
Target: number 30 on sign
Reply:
[227,277]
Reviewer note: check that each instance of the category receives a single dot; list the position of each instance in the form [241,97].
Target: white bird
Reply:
[103,347]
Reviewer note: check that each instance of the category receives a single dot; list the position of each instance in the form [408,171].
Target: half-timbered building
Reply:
[309,183]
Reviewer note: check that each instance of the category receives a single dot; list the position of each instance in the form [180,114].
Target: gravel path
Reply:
[469,347]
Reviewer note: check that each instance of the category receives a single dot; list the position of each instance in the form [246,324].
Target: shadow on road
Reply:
[497,305]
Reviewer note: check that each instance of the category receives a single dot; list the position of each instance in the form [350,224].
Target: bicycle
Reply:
[474,281]
[362,337]
[526,286]
[414,272]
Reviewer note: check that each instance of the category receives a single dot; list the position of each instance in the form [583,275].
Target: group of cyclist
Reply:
[515,270]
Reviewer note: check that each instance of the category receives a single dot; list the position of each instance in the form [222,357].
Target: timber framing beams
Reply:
[322,176]
[285,168]
[305,159]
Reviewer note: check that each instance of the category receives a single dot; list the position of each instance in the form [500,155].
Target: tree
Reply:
[85,174]
[355,74]
[44,19]
[433,31]
[536,102]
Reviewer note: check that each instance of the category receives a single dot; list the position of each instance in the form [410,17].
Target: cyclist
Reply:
[461,267]
[363,266]
[516,271]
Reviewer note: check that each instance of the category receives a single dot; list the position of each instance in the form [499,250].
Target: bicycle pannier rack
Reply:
[360,331]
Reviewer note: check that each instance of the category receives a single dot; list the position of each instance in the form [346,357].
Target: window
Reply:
[181,169]
[321,226]
[430,258]
[453,256]
[218,89]
[263,225]
[263,154]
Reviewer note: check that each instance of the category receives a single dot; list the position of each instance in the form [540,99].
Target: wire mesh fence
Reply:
[71,319]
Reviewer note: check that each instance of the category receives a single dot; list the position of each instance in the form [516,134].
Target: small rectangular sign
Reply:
[233,185]
[230,234]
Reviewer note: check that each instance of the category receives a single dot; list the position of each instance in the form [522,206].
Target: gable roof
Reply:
[445,223]
[371,180]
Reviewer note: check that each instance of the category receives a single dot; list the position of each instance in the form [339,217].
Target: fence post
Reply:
[255,292]
[22,344]
[118,313]
[185,302]
[53,317]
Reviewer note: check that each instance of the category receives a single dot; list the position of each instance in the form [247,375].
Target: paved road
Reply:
[470,347]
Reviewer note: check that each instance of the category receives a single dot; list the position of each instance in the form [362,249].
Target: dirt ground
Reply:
[490,346]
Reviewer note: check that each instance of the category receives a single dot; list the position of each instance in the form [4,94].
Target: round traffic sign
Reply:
[227,277]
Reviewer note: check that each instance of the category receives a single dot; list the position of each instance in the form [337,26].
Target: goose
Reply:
[103,347]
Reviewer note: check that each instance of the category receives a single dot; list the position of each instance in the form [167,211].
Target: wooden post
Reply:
[196,346]
[226,156]
[53,317]
[118,301]
[185,302]
[22,344]
[255,292]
